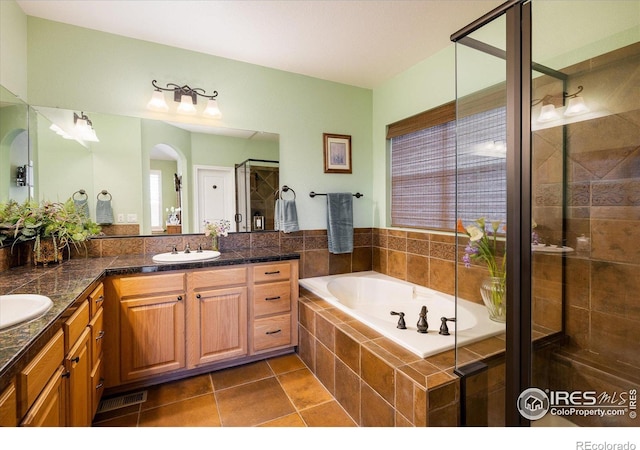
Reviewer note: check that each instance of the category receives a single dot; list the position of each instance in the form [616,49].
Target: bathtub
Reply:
[370,297]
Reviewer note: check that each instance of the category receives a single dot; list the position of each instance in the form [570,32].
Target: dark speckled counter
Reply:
[66,283]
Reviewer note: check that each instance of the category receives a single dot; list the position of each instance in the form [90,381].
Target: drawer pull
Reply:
[100,299]
[66,375]
[100,335]
[268,299]
[272,273]
[75,360]
[273,332]
[99,385]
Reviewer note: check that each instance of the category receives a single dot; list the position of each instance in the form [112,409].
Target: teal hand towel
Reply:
[82,206]
[104,212]
[340,222]
[288,221]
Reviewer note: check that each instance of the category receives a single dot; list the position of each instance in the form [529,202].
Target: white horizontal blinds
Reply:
[423,172]
[482,166]
[423,178]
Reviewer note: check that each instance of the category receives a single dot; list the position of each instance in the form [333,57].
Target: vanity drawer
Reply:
[271,298]
[97,336]
[9,406]
[271,272]
[97,386]
[96,298]
[206,279]
[152,284]
[271,332]
[34,377]
[75,325]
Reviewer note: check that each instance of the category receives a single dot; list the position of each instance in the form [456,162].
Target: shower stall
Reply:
[548,116]
[257,182]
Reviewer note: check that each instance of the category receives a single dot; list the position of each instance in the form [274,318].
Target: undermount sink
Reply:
[182,257]
[18,308]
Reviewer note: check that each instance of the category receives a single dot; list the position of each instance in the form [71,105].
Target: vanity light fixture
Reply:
[84,127]
[548,111]
[187,97]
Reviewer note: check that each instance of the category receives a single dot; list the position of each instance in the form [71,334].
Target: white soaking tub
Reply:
[370,297]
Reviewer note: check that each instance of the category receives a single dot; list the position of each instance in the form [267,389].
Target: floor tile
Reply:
[328,414]
[253,403]
[194,412]
[286,363]
[127,420]
[177,390]
[304,389]
[292,420]
[235,376]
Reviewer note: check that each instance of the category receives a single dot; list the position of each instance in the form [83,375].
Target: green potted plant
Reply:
[52,226]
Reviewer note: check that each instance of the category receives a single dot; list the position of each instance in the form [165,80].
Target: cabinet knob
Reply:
[198,296]
[179,298]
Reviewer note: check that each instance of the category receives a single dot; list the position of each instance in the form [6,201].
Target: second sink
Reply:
[18,308]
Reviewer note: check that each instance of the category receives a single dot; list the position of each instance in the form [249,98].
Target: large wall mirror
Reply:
[154,176]
[14,148]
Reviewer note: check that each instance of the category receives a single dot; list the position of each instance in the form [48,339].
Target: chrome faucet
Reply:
[187,249]
[174,250]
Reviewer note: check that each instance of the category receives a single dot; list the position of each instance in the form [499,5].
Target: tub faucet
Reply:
[401,324]
[444,329]
[423,325]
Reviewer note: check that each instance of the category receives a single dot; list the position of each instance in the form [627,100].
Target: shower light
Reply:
[548,112]
[84,128]
[576,107]
[187,97]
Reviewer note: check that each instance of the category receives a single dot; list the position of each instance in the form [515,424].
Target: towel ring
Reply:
[104,193]
[81,192]
[285,188]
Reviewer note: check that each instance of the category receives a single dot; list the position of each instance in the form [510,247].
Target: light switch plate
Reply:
[132,218]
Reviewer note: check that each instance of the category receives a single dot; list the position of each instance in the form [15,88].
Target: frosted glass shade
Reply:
[548,113]
[157,102]
[212,109]
[576,107]
[186,105]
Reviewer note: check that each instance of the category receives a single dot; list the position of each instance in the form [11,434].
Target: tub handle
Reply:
[444,329]
[273,332]
[401,323]
[268,299]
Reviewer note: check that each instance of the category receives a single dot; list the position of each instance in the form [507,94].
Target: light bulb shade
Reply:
[186,105]
[91,136]
[157,102]
[212,109]
[548,113]
[576,107]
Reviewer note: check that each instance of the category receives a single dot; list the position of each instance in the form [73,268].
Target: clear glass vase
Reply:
[214,243]
[494,295]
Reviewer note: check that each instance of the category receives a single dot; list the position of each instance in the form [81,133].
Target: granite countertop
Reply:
[65,282]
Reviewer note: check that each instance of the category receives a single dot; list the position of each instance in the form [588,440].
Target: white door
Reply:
[215,195]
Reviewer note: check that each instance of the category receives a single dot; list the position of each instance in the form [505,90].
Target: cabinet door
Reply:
[9,406]
[217,324]
[152,336]
[49,409]
[78,363]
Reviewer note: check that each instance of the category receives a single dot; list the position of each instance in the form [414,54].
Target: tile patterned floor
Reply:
[278,392]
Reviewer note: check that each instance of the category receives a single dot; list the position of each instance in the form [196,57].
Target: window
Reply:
[155,193]
[424,168]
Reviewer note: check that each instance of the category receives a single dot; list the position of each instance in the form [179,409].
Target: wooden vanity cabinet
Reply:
[216,315]
[274,306]
[9,406]
[151,324]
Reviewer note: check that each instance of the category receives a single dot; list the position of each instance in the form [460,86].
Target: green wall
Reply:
[13,48]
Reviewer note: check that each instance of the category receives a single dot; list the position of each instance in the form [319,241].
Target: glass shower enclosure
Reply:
[561,79]
[257,182]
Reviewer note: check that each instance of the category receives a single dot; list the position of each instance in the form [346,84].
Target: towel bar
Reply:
[356,195]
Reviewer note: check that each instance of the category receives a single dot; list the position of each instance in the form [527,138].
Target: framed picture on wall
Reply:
[337,153]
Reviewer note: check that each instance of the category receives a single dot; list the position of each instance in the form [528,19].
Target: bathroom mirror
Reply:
[15,168]
[148,168]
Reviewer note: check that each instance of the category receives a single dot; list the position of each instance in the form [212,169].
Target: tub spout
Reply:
[401,324]
[423,325]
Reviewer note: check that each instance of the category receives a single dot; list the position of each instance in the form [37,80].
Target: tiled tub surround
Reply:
[376,381]
[71,281]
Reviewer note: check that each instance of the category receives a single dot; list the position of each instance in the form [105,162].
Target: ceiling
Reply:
[357,42]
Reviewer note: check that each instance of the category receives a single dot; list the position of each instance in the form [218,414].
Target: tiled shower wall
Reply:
[602,310]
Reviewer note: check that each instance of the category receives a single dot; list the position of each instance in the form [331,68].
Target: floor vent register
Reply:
[109,404]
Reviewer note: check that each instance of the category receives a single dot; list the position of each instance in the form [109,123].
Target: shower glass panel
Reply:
[480,170]
[585,198]
[257,182]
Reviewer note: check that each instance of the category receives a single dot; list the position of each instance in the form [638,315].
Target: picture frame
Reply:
[337,153]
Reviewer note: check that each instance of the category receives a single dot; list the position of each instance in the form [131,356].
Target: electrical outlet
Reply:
[132,218]
[120,218]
